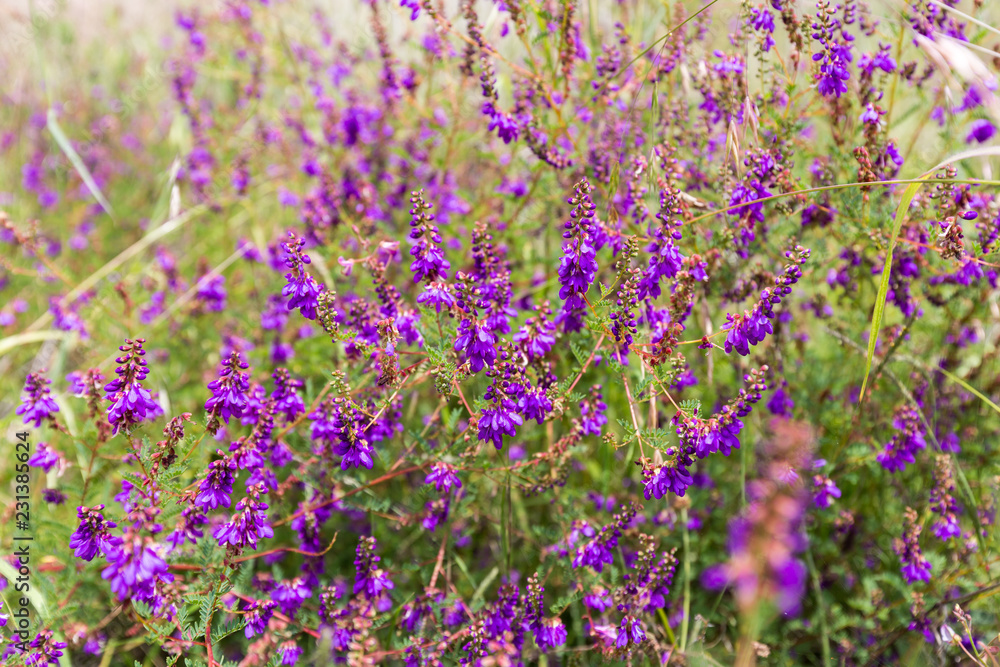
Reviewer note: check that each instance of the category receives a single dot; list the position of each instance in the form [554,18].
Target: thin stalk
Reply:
[823,629]
[685,620]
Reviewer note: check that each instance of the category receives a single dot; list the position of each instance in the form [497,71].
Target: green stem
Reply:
[820,608]
[685,620]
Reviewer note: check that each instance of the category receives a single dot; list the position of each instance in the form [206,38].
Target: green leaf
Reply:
[228,628]
[883,290]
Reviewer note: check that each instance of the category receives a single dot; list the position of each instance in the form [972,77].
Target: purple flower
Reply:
[443,477]
[914,566]
[67,319]
[870,115]
[980,131]
[534,404]
[497,421]
[53,496]
[285,395]
[301,290]
[217,487]
[906,442]
[824,490]
[37,405]
[44,651]
[578,265]
[436,295]
[290,653]
[630,632]
[248,524]
[212,293]
[664,262]
[130,402]
[592,411]
[429,263]
[780,403]
[893,152]
[942,501]
[230,391]
[45,457]
[93,535]
[371,579]
[537,337]
[258,613]
[290,594]
[477,342]
[135,570]
[753,326]
[550,633]
[346,433]
[672,477]
[413,6]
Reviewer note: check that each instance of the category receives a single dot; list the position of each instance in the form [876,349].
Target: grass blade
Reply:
[883,289]
[904,204]
[969,388]
[10,342]
[74,157]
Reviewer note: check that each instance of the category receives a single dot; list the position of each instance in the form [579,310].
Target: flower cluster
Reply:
[495,299]
[578,265]
[429,263]
[753,326]
[38,405]
[131,403]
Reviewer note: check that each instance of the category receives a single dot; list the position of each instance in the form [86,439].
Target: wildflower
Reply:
[45,457]
[672,476]
[53,496]
[980,131]
[578,265]
[429,263]
[37,404]
[550,633]
[825,489]
[443,477]
[752,327]
[534,403]
[135,570]
[477,342]
[290,594]
[536,337]
[217,487]
[906,441]
[942,501]
[350,443]
[229,391]
[130,402]
[212,293]
[302,290]
[914,566]
[257,614]
[285,395]
[497,421]
[44,651]
[371,579]
[248,524]
[436,295]
[630,632]
[592,410]
[290,652]
[93,535]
